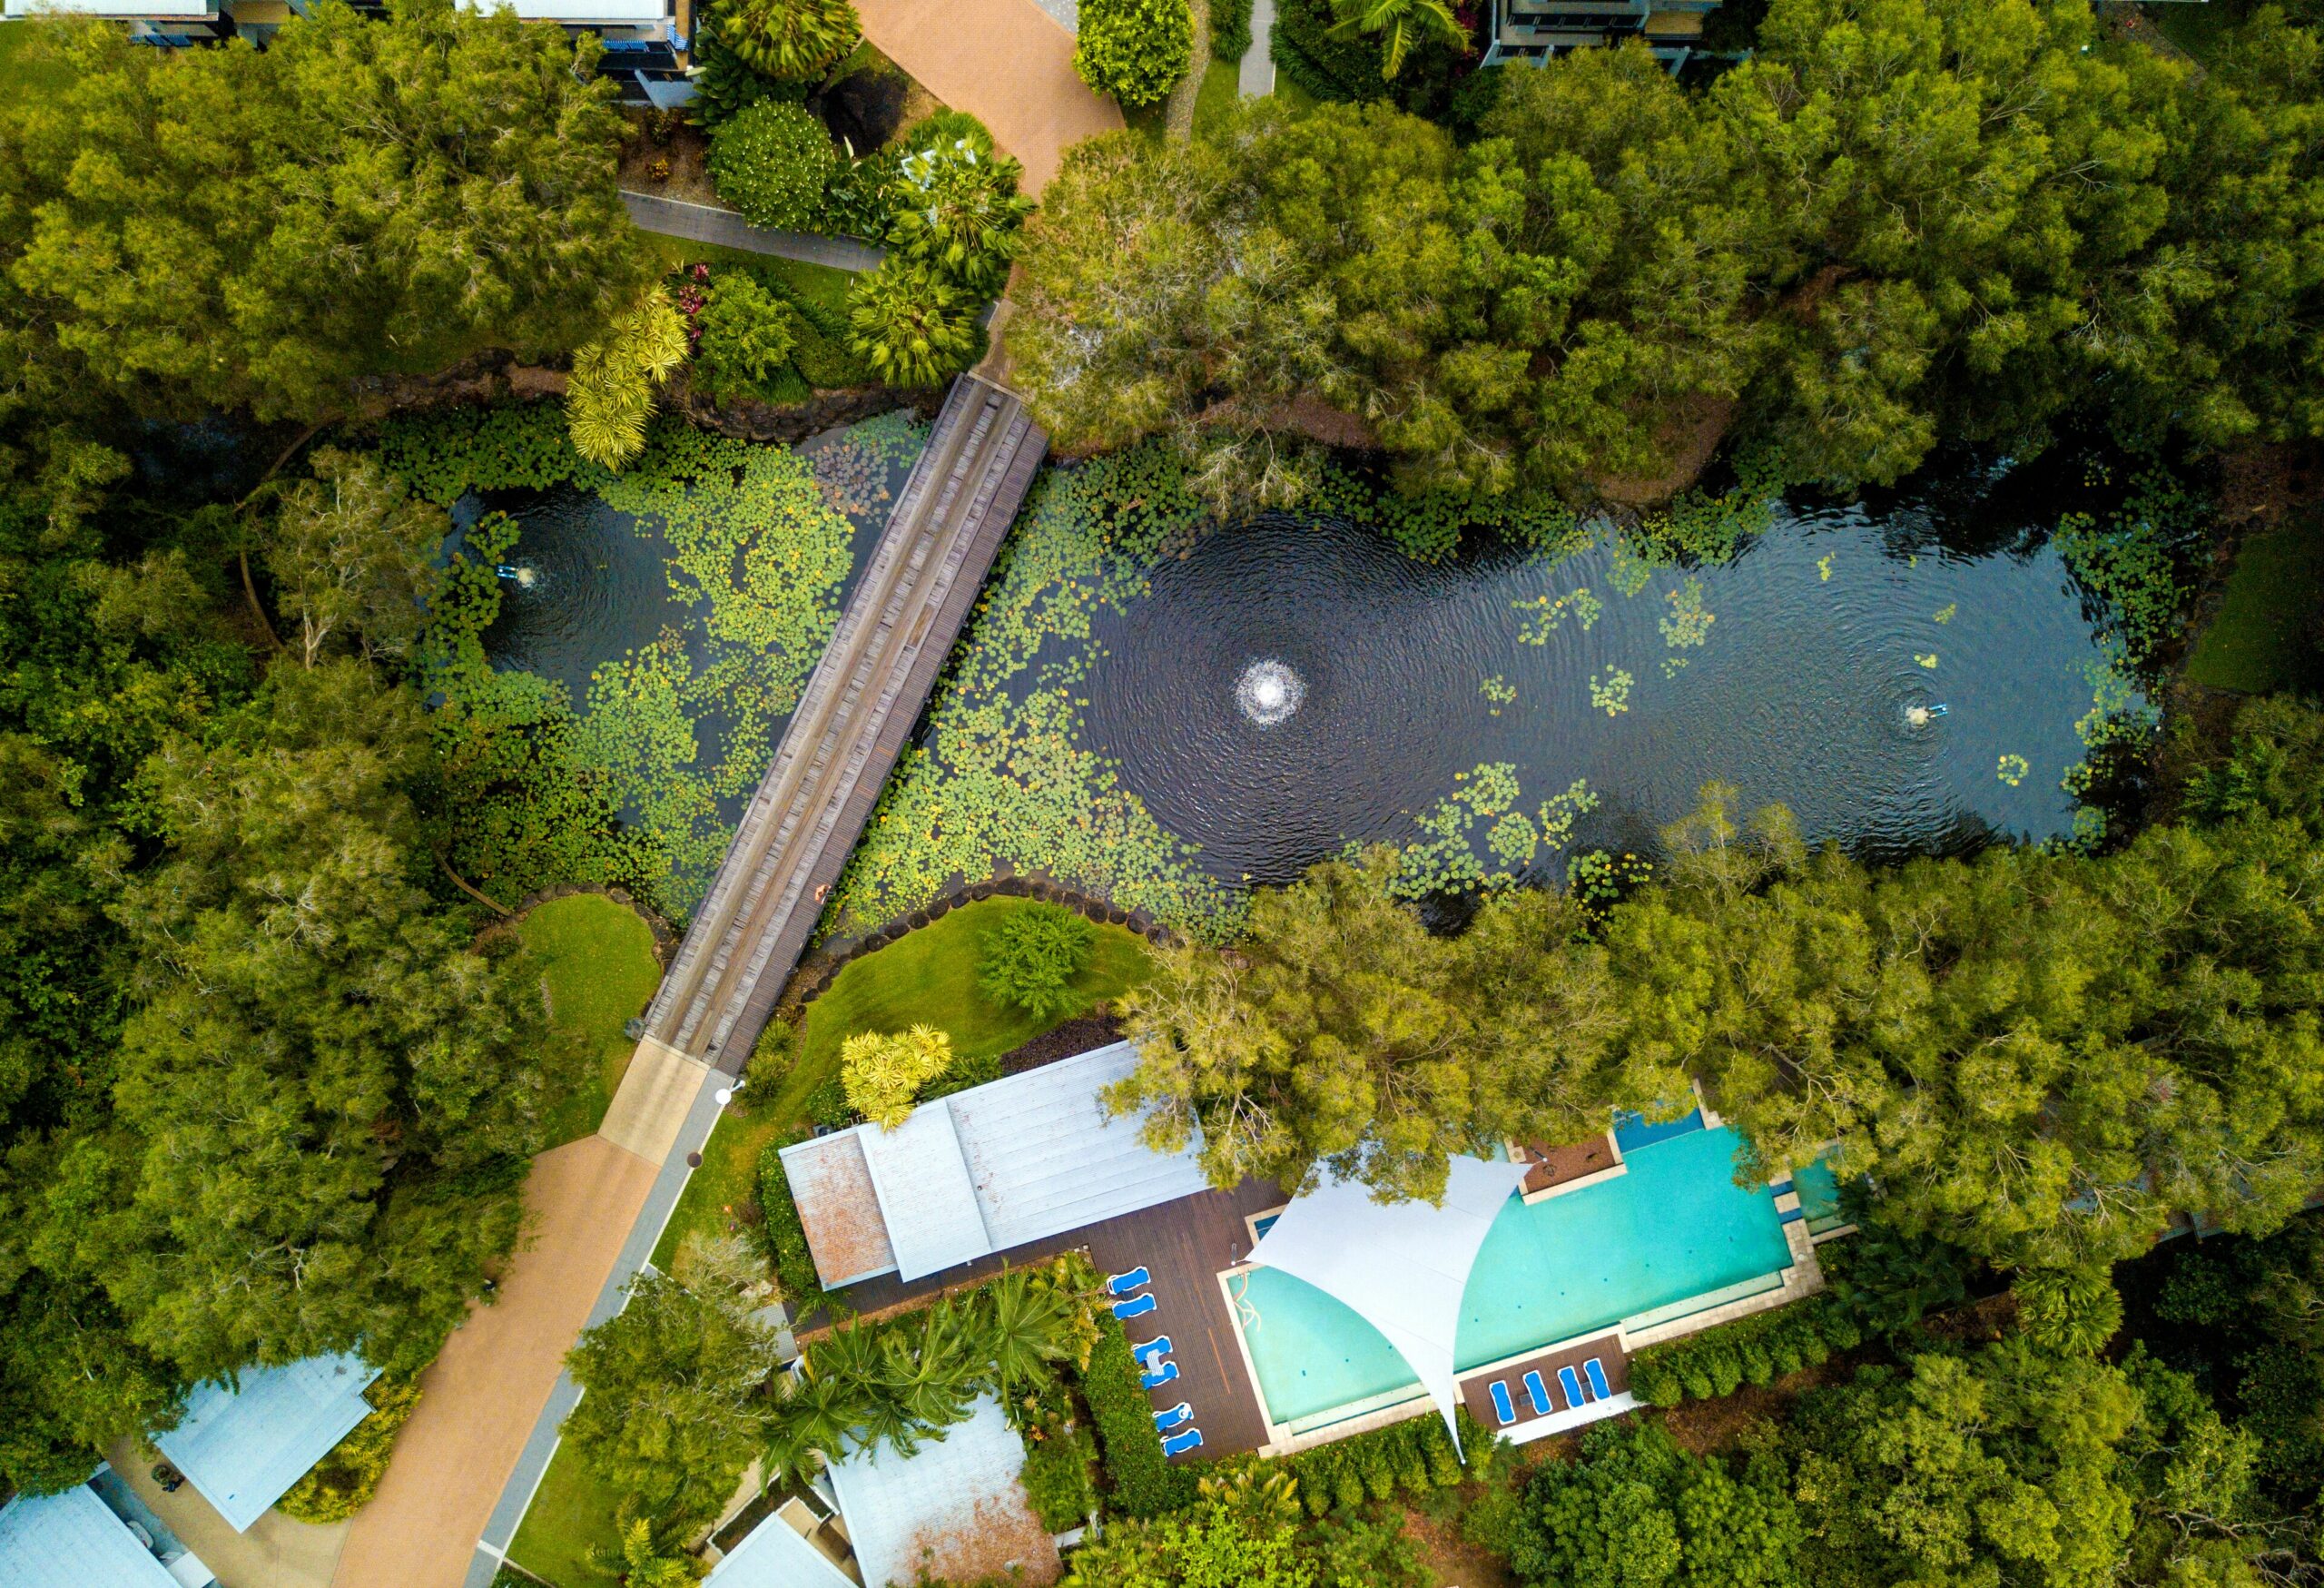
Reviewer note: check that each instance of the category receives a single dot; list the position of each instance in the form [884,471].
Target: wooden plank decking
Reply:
[851,722]
[1476,1390]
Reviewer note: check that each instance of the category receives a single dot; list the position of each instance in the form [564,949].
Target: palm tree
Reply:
[933,1378]
[814,1419]
[1402,22]
[1025,1325]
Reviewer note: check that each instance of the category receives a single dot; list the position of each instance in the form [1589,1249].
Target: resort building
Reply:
[955,1509]
[1290,1321]
[96,1533]
[1532,32]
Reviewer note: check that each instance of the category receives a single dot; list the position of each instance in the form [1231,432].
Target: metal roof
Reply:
[953,1510]
[72,1541]
[775,1556]
[921,1178]
[242,1449]
[1014,1161]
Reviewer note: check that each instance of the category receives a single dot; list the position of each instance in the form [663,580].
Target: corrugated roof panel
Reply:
[773,1556]
[242,1449]
[954,1511]
[925,1194]
[1045,1157]
[72,1541]
[838,1208]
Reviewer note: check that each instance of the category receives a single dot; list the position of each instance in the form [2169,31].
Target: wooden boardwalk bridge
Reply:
[858,707]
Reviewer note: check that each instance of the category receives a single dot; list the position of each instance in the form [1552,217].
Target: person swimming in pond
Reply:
[1921,716]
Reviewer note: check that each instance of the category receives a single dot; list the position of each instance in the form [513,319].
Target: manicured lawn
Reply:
[601,973]
[1215,97]
[2259,642]
[929,975]
[572,1514]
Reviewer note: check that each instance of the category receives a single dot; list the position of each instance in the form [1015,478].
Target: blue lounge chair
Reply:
[1596,1372]
[1138,1278]
[1539,1394]
[1179,1443]
[1162,1373]
[1135,1307]
[1570,1382]
[1159,1345]
[1502,1406]
[1166,1420]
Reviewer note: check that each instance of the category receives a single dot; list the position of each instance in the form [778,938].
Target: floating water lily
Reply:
[1824,567]
[1548,614]
[2013,769]
[1927,658]
[1611,694]
[1944,613]
[1496,689]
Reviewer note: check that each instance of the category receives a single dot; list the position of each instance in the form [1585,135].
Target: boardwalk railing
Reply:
[851,724]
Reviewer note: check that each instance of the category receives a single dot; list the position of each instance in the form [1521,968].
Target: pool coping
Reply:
[1802,1276]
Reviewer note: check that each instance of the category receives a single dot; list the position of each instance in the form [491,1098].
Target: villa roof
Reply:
[1014,1161]
[1401,1267]
[775,1556]
[242,1448]
[954,1509]
[70,1540]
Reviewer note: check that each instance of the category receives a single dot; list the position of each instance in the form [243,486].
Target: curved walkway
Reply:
[1008,62]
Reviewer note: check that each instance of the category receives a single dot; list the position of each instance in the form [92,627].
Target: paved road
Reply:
[709,224]
[1255,78]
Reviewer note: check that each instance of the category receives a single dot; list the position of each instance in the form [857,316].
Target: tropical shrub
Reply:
[1060,1478]
[1410,1457]
[1144,1483]
[884,1071]
[795,41]
[343,1481]
[911,328]
[957,212]
[1135,50]
[1761,1348]
[609,399]
[783,1237]
[747,336]
[1230,30]
[2076,1311]
[1400,24]
[772,163]
[858,201]
[1029,957]
[724,85]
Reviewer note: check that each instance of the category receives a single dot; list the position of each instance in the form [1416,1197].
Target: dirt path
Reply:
[1005,62]
[480,1401]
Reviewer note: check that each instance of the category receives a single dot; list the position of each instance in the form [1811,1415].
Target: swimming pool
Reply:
[1674,1227]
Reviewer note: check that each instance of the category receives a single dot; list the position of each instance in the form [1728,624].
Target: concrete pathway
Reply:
[276,1553]
[480,1400]
[709,224]
[1008,62]
[1255,78]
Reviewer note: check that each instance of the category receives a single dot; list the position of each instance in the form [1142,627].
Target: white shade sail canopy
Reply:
[1401,1267]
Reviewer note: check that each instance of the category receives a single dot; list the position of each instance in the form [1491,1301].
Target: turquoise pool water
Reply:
[1675,1226]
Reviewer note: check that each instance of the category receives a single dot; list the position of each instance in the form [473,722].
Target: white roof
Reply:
[576,10]
[73,1540]
[1401,1267]
[1014,1161]
[774,1556]
[954,1508]
[168,10]
[921,1176]
[242,1448]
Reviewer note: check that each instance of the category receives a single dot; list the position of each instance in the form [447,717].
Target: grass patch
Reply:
[1217,97]
[2259,642]
[601,973]
[929,975]
[571,1515]
[824,283]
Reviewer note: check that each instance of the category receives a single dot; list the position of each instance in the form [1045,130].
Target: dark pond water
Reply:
[1802,690]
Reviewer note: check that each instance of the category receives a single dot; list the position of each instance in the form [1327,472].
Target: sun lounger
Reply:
[1595,1371]
[1138,1278]
[1570,1382]
[1166,1420]
[1539,1394]
[1502,1406]
[1179,1443]
[1135,1307]
[1158,1375]
[1159,1345]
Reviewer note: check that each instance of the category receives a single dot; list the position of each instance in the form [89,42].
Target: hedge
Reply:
[784,1237]
[343,1481]
[1230,30]
[1057,1478]
[1409,1458]
[1758,1349]
[1143,1481]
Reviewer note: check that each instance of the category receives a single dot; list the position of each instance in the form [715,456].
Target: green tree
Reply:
[792,41]
[1635,1512]
[673,1404]
[1399,24]
[957,211]
[455,167]
[911,325]
[747,335]
[1029,957]
[1135,50]
[352,557]
[609,399]
[2074,1310]
[884,1071]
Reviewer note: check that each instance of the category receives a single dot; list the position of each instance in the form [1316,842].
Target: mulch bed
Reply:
[1075,1036]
